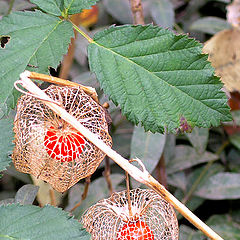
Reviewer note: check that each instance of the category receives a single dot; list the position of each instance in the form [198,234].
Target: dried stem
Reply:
[68,59]
[90,40]
[52,197]
[141,176]
[107,174]
[10,6]
[46,78]
[128,194]
[161,171]
[137,11]
[84,195]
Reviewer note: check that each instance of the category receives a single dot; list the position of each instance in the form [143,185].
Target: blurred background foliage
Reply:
[202,168]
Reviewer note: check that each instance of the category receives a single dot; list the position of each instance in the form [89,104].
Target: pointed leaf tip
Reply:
[158,78]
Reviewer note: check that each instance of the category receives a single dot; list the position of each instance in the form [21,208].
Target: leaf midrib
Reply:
[7,236]
[169,85]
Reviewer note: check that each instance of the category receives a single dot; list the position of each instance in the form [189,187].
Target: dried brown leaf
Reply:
[224,54]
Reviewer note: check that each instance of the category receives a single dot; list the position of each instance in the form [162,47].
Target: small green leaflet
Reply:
[62,7]
[37,39]
[32,222]
[158,78]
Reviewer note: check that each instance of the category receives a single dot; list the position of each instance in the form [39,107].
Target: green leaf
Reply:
[54,7]
[148,147]
[162,12]
[226,227]
[47,223]
[193,176]
[7,201]
[233,160]
[199,139]
[22,5]
[25,178]
[26,194]
[159,79]
[187,157]
[210,25]
[62,7]
[122,141]
[178,180]
[221,186]
[35,38]
[6,146]
[192,204]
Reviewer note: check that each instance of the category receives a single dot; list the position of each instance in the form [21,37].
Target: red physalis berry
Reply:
[135,231]
[62,145]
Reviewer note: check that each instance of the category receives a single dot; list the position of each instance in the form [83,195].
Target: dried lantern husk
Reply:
[50,148]
[109,218]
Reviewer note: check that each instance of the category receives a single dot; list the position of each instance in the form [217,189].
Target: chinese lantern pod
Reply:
[50,148]
[152,217]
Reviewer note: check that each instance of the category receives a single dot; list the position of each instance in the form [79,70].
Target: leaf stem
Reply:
[161,171]
[107,175]
[140,175]
[10,6]
[202,174]
[137,11]
[59,81]
[90,40]
[128,195]
[84,195]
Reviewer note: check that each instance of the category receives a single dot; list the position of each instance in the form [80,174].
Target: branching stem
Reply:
[137,11]
[141,176]
[128,194]
[107,174]
[90,40]
[10,6]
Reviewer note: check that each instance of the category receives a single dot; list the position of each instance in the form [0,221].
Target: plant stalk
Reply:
[46,78]
[137,11]
[128,195]
[107,174]
[10,6]
[90,40]
[141,176]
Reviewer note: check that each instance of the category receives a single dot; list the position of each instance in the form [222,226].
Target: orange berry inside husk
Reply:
[135,231]
[64,147]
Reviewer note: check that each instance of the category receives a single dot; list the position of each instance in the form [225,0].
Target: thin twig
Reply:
[68,59]
[141,176]
[84,195]
[107,174]
[10,6]
[90,40]
[161,171]
[52,197]
[128,194]
[137,11]
[46,78]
